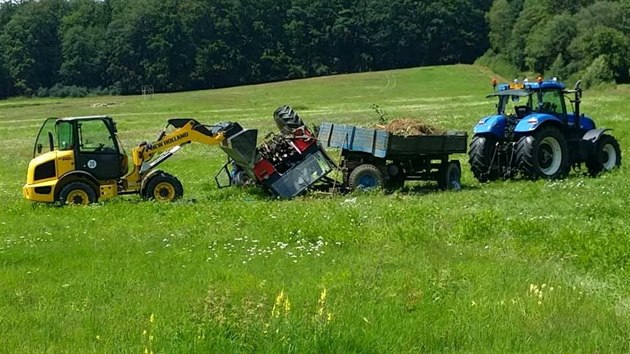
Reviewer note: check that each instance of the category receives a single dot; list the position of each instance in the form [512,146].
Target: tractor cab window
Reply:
[515,105]
[95,137]
[45,141]
[65,140]
[549,102]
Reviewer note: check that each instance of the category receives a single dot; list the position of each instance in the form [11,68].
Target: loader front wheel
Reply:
[77,193]
[163,187]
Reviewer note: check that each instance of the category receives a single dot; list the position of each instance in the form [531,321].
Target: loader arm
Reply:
[168,143]
[186,131]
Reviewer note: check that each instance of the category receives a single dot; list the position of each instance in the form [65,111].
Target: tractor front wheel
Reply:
[482,151]
[163,187]
[605,157]
[543,154]
[365,176]
[77,193]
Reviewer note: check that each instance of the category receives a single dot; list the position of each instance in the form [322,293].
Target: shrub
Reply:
[599,72]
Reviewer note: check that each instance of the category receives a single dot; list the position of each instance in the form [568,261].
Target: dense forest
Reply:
[569,39]
[75,47]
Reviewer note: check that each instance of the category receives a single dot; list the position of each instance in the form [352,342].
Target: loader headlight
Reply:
[483,121]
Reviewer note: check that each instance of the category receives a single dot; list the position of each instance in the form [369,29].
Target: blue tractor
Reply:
[533,135]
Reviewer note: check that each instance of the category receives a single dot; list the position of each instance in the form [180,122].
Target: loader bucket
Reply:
[240,146]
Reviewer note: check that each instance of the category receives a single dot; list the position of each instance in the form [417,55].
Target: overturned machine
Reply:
[286,163]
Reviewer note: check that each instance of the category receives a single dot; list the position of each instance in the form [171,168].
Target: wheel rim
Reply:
[549,156]
[609,156]
[164,191]
[77,197]
[368,181]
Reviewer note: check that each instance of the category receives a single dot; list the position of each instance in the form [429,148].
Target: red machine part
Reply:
[263,169]
[303,139]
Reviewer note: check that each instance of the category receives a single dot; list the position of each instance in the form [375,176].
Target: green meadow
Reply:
[510,266]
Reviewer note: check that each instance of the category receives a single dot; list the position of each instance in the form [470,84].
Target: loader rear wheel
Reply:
[605,157]
[480,155]
[543,154]
[365,176]
[77,193]
[163,187]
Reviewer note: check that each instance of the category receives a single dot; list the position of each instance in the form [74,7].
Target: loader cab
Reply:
[93,140]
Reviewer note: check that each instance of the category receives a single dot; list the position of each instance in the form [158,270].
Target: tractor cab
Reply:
[520,100]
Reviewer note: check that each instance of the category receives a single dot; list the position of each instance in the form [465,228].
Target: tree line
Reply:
[121,45]
[568,39]
[66,47]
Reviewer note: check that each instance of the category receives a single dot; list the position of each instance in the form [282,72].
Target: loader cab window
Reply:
[45,141]
[95,137]
[65,138]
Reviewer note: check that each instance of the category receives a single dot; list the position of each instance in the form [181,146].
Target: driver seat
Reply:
[522,111]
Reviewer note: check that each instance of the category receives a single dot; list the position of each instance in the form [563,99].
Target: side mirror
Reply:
[39,148]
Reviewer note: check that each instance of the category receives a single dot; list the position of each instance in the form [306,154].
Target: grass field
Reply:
[511,266]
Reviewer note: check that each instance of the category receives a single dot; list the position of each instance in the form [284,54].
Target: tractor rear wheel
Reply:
[450,176]
[543,154]
[480,155]
[365,176]
[77,193]
[606,156]
[286,118]
[163,187]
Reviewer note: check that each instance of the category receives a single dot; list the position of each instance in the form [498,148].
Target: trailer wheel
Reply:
[606,156]
[450,176]
[365,176]
[163,187]
[395,176]
[482,150]
[77,193]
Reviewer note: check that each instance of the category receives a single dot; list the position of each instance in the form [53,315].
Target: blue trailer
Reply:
[377,158]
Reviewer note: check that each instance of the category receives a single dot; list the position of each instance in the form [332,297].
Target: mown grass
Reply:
[502,267]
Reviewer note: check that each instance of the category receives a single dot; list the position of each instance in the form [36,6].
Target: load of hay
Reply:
[410,127]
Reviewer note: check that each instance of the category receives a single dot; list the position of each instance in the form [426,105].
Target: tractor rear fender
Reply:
[76,176]
[594,134]
[534,121]
[494,125]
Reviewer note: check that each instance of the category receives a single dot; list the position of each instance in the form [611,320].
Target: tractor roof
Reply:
[527,85]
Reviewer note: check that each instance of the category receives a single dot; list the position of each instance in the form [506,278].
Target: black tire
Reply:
[543,154]
[395,176]
[365,176]
[286,119]
[450,176]
[163,187]
[606,156]
[482,150]
[77,193]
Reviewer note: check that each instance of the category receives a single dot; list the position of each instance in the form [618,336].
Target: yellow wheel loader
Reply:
[80,160]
